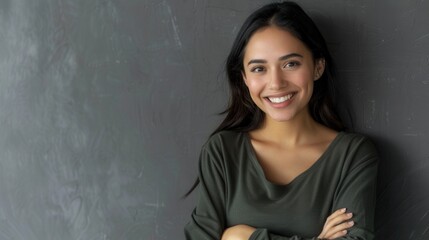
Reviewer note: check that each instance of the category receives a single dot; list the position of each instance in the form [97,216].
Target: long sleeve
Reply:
[356,192]
[208,218]
[263,234]
[233,190]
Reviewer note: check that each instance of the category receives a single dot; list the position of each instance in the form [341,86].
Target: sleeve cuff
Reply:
[259,234]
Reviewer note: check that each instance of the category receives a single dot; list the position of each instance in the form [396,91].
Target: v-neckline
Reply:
[300,176]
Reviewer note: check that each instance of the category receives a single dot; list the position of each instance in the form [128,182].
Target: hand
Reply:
[238,232]
[336,225]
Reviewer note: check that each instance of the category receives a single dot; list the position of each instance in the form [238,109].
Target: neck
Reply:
[297,131]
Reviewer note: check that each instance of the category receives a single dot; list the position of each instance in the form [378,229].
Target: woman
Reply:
[279,166]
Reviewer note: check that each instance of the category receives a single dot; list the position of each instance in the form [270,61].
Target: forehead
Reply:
[272,42]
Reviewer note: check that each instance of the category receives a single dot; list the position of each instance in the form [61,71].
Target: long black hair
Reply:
[242,113]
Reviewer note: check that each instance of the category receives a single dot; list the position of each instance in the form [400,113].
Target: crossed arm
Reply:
[356,192]
[336,226]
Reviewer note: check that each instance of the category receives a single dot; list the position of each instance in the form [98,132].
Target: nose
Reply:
[277,80]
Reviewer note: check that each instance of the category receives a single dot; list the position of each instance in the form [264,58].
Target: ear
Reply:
[319,68]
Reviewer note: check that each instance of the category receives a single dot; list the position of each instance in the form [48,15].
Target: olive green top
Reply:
[234,190]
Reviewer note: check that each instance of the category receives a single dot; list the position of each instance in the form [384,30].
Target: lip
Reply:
[280,95]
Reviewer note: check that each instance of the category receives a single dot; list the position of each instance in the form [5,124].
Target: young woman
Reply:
[280,165]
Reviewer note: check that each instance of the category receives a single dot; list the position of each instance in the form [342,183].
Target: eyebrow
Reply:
[282,58]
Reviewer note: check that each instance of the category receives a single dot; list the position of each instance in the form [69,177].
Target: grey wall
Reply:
[104,105]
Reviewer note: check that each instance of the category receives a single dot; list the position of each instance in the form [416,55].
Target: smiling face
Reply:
[279,72]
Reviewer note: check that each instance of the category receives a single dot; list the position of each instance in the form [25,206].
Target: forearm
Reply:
[238,232]
[263,234]
[244,232]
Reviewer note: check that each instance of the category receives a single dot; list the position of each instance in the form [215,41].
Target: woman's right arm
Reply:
[209,222]
[208,218]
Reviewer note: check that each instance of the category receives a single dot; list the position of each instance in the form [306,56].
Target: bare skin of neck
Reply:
[287,149]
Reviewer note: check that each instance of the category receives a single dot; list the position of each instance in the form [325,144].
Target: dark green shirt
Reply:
[233,190]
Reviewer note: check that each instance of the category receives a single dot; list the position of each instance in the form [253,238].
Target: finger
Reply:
[334,219]
[337,225]
[338,219]
[329,221]
[338,229]
[337,213]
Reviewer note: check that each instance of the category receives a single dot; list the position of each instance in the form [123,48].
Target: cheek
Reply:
[253,85]
[305,79]
[255,89]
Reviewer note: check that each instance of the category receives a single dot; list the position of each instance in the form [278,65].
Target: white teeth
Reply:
[280,99]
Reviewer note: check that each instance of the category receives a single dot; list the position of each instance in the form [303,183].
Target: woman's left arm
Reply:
[336,226]
[357,189]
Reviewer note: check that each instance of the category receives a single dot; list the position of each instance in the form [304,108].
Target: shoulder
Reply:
[355,149]
[224,141]
[355,141]
[221,150]
[224,146]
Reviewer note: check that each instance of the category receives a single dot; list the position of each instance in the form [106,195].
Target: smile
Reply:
[281,99]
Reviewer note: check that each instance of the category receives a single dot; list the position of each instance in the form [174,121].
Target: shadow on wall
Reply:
[402,199]
[370,96]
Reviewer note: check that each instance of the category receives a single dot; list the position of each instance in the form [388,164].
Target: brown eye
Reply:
[257,69]
[291,64]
